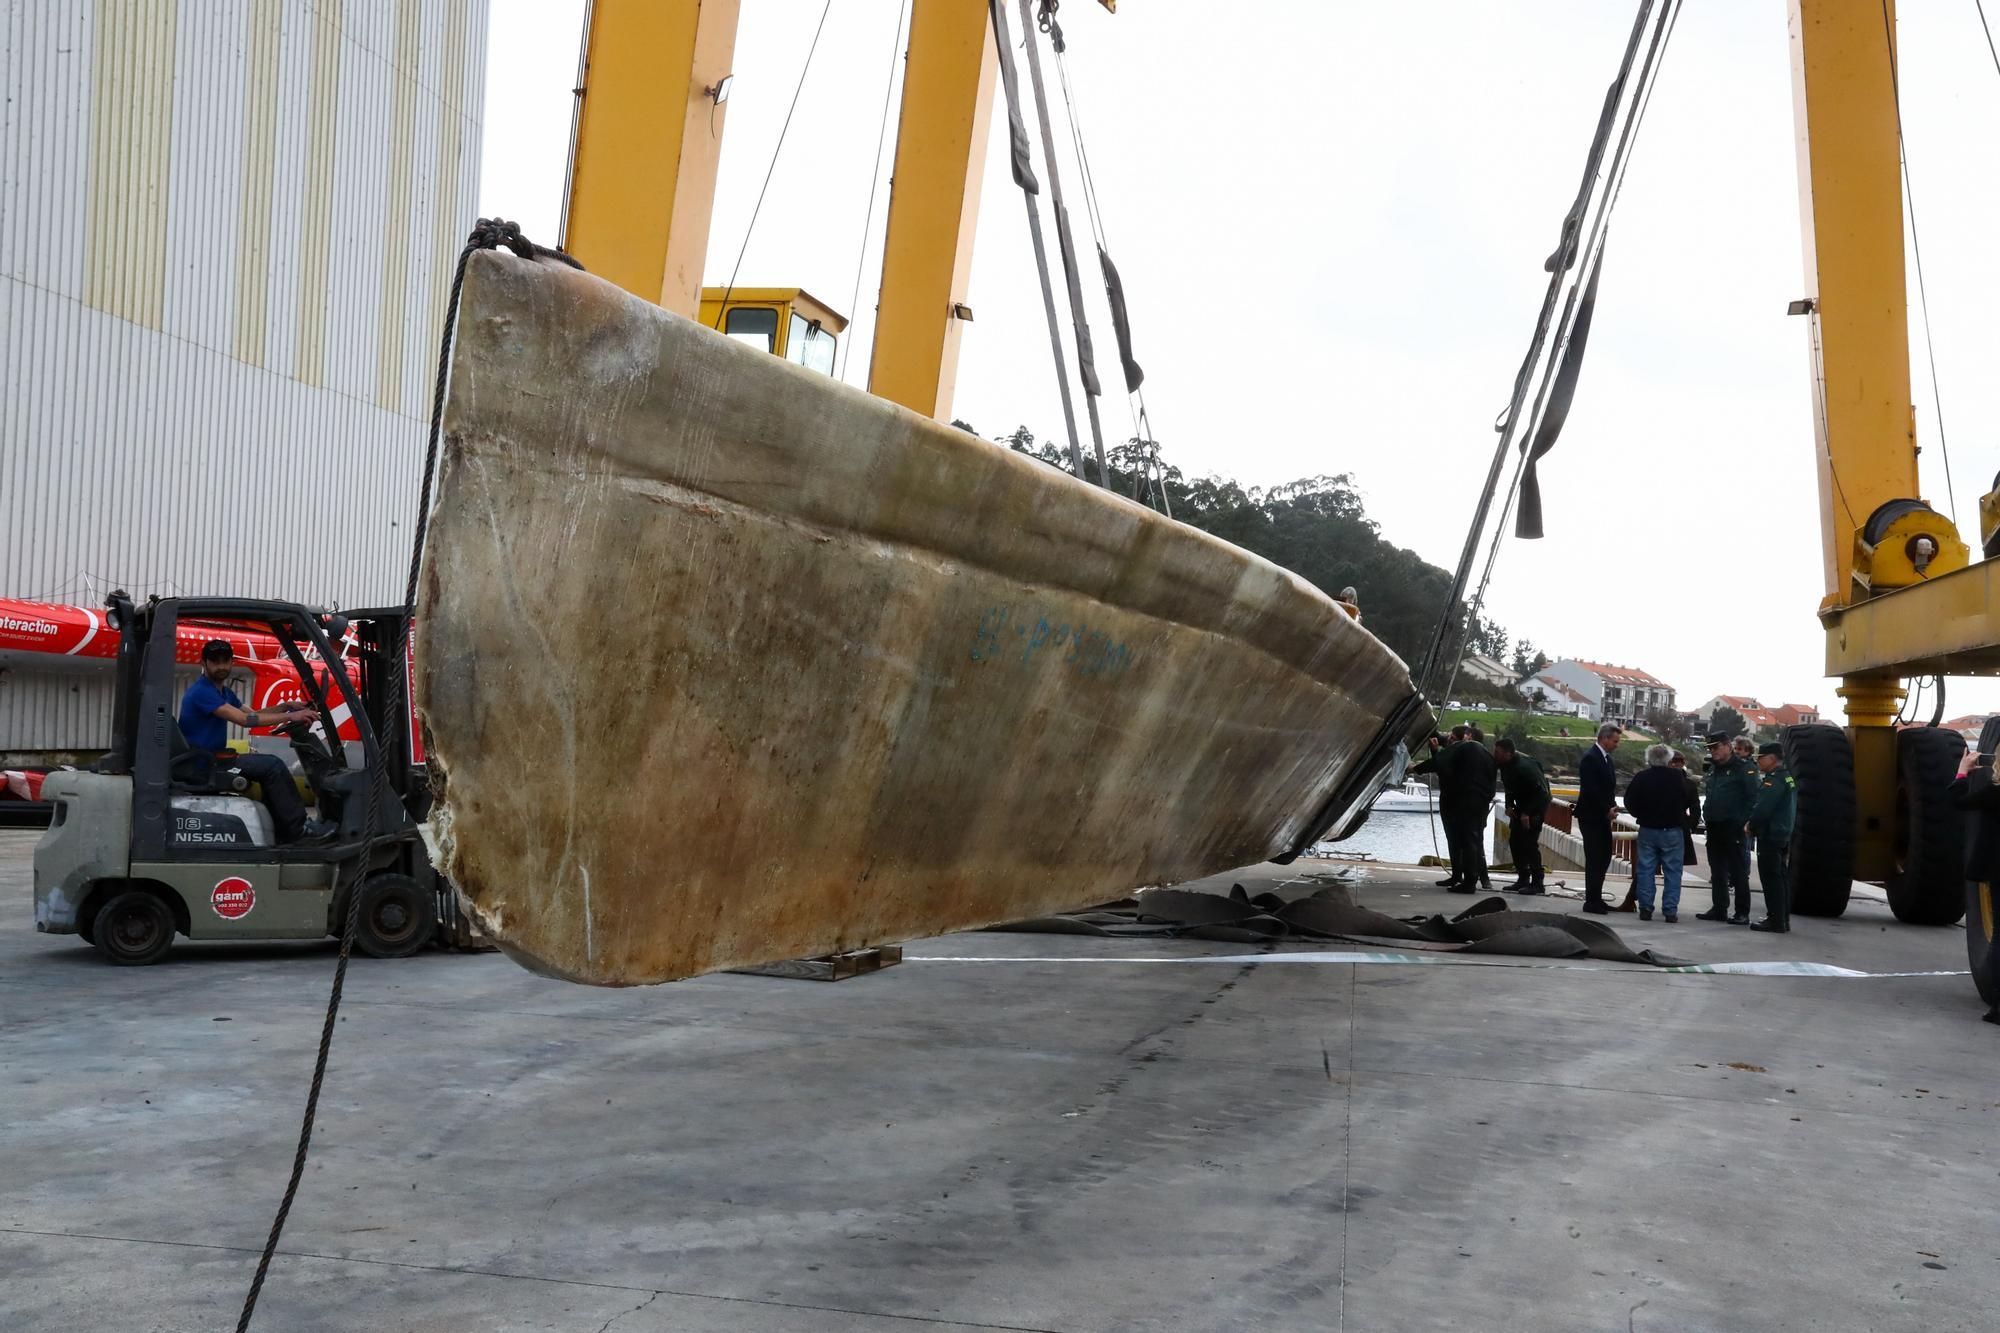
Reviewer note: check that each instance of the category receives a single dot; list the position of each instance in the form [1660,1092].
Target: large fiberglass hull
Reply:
[725,662]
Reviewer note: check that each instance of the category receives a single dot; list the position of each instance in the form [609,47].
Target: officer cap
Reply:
[1718,738]
[1771,747]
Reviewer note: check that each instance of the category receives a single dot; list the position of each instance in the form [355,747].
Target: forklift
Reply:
[158,840]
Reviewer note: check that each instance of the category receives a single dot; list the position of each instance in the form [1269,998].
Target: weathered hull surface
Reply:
[724,662]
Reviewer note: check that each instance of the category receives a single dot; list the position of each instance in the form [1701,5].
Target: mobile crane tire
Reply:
[1982,950]
[397,917]
[1822,853]
[1928,888]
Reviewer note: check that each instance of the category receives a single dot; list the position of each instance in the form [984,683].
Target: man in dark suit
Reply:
[1596,807]
[1465,803]
[1443,754]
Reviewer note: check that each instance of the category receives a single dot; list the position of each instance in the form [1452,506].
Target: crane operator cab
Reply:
[166,837]
[784,321]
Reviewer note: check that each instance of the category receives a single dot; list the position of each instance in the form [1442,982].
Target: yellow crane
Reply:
[652,104]
[1904,597]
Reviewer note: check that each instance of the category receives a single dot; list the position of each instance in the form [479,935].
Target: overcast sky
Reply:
[1331,218]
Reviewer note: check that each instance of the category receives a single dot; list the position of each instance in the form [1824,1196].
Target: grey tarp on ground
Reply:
[1490,926]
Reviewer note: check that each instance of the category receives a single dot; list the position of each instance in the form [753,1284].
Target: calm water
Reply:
[1399,836]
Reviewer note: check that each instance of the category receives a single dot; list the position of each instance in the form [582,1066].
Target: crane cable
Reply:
[1079,323]
[1149,470]
[1594,258]
[722,310]
[874,180]
[1021,165]
[1917,249]
[1559,265]
[1593,252]
[1990,49]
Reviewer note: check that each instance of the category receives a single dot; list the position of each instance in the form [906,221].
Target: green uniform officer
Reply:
[1771,824]
[1732,794]
[1528,800]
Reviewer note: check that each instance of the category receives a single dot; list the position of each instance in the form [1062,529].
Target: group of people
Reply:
[1750,800]
[1466,771]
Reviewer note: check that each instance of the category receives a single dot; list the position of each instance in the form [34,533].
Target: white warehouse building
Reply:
[226,236]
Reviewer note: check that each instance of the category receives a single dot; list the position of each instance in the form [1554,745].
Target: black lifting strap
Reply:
[1121,323]
[1528,518]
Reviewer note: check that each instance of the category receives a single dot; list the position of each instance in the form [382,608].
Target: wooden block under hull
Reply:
[722,662]
[833,967]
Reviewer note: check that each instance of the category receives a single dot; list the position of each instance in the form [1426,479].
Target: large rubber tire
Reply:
[1822,853]
[397,917]
[1982,950]
[1928,888]
[133,928]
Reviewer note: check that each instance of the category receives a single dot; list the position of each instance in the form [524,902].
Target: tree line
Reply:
[1317,528]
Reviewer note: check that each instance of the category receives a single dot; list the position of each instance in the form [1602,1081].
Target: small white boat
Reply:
[1412,797]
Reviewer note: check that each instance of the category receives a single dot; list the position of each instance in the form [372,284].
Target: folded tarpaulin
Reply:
[1490,926]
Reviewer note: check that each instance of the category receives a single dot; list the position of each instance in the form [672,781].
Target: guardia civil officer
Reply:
[1528,796]
[1732,793]
[1771,824]
[1465,804]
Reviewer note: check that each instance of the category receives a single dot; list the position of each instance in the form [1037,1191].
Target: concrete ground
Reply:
[1088,1144]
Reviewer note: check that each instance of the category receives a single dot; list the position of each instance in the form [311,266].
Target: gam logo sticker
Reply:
[233,898]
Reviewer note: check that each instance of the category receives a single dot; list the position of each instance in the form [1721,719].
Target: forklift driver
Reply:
[205,709]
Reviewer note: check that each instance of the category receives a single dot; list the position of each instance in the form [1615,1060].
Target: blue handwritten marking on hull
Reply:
[1091,652]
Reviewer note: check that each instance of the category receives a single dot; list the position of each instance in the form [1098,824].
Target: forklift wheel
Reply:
[134,928]
[397,917]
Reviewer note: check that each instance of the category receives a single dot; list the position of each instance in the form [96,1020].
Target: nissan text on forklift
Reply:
[157,840]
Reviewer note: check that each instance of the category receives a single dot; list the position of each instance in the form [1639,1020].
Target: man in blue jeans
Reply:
[207,709]
[1657,798]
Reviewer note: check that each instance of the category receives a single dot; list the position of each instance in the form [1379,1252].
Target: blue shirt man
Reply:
[203,727]
[207,709]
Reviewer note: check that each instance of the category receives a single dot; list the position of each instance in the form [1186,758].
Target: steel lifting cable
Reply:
[1079,324]
[1099,235]
[1593,252]
[1142,424]
[1983,27]
[1509,421]
[722,310]
[1024,176]
[487,234]
[874,179]
[1917,249]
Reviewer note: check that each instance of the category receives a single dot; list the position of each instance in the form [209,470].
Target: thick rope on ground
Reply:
[487,234]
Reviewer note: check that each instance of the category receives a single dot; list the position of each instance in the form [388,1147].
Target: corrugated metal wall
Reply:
[225,231]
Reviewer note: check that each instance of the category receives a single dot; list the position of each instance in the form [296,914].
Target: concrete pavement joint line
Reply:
[1347,1135]
[526,1277]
